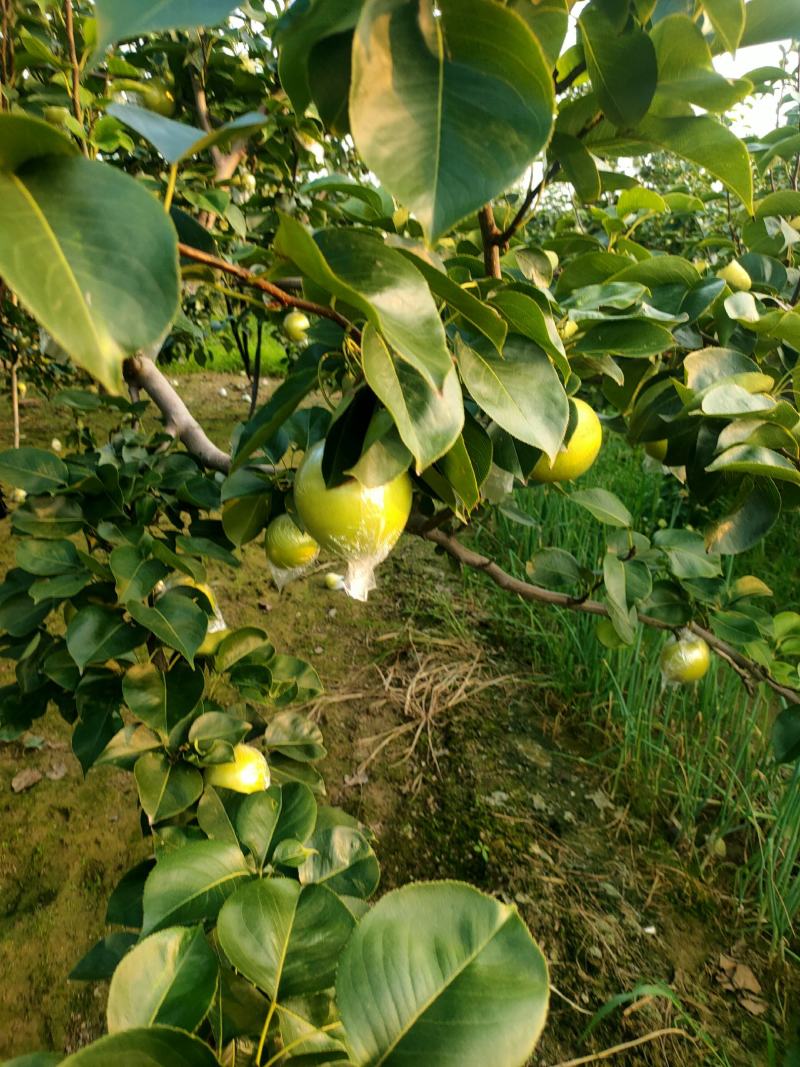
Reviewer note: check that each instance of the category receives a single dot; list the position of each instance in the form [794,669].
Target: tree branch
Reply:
[491,246]
[568,79]
[257,282]
[504,236]
[468,558]
[76,69]
[142,373]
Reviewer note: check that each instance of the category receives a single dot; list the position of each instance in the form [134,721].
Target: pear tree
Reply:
[369,179]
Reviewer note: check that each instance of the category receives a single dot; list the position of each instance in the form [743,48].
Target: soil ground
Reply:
[463,763]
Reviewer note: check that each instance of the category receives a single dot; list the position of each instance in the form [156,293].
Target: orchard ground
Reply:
[465,760]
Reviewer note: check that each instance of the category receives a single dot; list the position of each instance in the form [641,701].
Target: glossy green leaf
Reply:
[657,270]
[727,17]
[169,979]
[270,932]
[549,20]
[258,432]
[480,315]
[769,20]
[162,700]
[302,26]
[25,137]
[621,616]
[424,85]
[686,74]
[166,789]
[48,516]
[176,141]
[135,572]
[239,644]
[256,820]
[406,999]
[708,367]
[554,568]
[97,634]
[294,734]
[577,164]
[126,746]
[343,861]
[33,469]
[756,460]
[381,283]
[520,391]
[98,306]
[783,202]
[687,554]
[702,140]
[786,736]
[48,558]
[621,64]
[298,814]
[174,619]
[629,338]
[604,505]
[632,201]
[428,420]
[118,20]
[191,884]
[158,1046]
[103,958]
[526,317]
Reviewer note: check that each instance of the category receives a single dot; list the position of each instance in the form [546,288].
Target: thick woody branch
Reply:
[255,281]
[745,667]
[142,373]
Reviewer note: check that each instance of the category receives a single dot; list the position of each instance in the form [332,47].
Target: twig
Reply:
[256,382]
[491,246]
[504,236]
[257,282]
[6,52]
[501,578]
[566,999]
[76,70]
[15,401]
[568,79]
[670,1031]
[237,337]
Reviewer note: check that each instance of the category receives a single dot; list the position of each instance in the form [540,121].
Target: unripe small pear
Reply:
[569,329]
[296,326]
[657,449]
[55,444]
[735,275]
[22,389]
[56,116]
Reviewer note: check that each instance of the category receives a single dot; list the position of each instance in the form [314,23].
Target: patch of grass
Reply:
[695,762]
[221,356]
